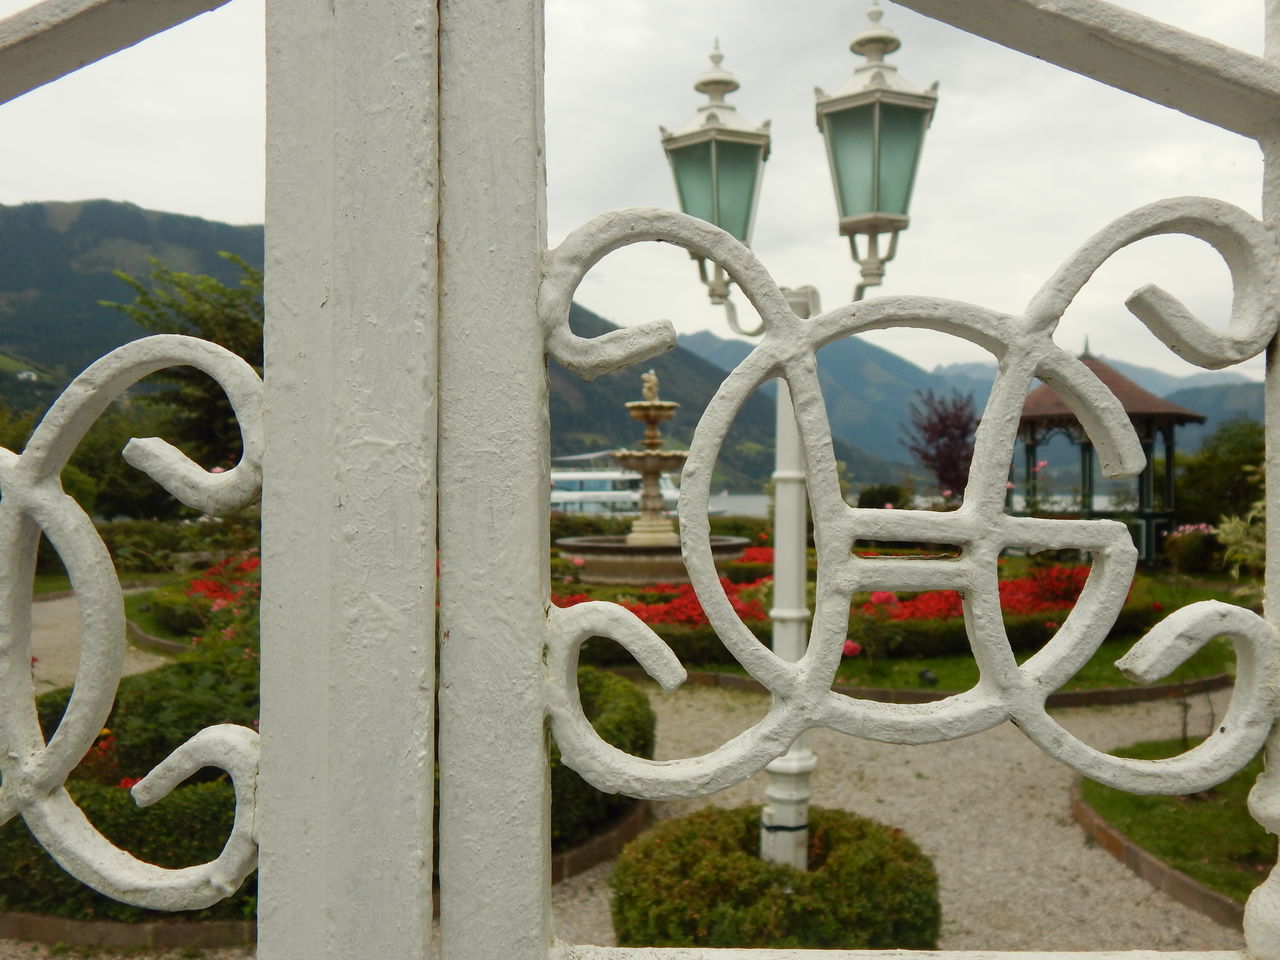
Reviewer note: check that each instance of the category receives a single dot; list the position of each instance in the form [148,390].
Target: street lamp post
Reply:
[874,128]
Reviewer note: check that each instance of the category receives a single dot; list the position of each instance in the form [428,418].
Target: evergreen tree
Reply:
[200,419]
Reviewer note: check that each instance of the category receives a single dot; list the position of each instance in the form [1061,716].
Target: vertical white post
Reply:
[1271,215]
[784,822]
[345,799]
[495,868]
[1262,911]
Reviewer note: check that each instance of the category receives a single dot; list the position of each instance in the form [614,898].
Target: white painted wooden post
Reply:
[348,519]
[495,870]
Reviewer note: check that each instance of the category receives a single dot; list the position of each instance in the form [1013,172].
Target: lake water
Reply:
[740,504]
[757,504]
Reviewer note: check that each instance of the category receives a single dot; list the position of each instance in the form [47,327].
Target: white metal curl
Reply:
[32,502]
[980,528]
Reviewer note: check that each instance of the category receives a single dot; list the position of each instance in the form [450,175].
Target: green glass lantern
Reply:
[718,157]
[874,130]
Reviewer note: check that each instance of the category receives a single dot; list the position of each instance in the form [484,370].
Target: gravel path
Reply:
[55,632]
[991,810]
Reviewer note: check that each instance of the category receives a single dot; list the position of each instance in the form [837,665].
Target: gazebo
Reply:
[1045,414]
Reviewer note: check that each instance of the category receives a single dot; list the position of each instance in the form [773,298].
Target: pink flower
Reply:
[1040,465]
[577,561]
[217,469]
[888,506]
[883,597]
[947,494]
[851,649]
[1009,485]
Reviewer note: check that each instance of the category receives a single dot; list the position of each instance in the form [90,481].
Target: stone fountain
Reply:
[650,552]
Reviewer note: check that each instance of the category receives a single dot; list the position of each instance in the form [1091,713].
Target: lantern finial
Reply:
[716,82]
[877,40]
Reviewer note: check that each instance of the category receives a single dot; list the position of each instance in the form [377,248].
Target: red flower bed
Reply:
[681,604]
[233,580]
[1052,588]
[757,555]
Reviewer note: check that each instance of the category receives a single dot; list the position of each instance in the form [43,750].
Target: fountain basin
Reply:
[611,560]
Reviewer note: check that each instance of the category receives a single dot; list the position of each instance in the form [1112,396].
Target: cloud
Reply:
[1024,161]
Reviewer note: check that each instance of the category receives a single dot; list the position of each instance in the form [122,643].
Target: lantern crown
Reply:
[874,74]
[717,114]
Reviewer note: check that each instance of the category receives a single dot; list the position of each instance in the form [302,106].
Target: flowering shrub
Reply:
[1191,547]
[756,555]
[683,607]
[677,604]
[234,581]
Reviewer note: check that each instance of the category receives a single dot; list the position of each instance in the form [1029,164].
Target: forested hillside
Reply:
[57,262]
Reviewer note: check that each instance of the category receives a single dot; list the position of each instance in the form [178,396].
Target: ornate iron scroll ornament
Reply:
[1023,348]
[32,502]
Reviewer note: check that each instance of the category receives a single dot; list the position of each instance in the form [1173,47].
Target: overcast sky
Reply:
[1022,163]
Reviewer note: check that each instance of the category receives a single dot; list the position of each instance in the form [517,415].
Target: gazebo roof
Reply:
[1044,406]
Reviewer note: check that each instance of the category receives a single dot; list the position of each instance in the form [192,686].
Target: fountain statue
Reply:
[650,552]
[653,527]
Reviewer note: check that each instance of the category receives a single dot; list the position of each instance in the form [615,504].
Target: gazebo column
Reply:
[1169,467]
[1029,449]
[1146,498]
[1086,477]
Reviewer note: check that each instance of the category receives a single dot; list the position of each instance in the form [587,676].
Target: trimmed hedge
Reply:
[699,881]
[620,712]
[697,646]
[157,711]
[694,646]
[187,827]
[941,638]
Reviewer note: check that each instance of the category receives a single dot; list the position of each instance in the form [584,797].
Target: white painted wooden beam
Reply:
[57,37]
[1200,77]
[495,863]
[348,521]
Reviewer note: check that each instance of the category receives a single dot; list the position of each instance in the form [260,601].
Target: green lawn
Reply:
[1209,836]
[51,583]
[137,608]
[961,672]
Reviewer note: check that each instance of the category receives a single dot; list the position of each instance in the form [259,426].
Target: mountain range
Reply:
[869,390]
[57,263]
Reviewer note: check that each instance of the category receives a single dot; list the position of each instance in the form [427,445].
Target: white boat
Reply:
[604,491]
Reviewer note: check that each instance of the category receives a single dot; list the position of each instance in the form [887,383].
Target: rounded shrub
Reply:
[187,827]
[620,712]
[698,881]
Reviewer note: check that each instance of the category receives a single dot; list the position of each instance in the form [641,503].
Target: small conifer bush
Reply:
[698,881]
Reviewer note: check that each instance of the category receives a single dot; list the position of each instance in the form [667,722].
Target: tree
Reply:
[1224,477]
[199,417]
[942,440]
